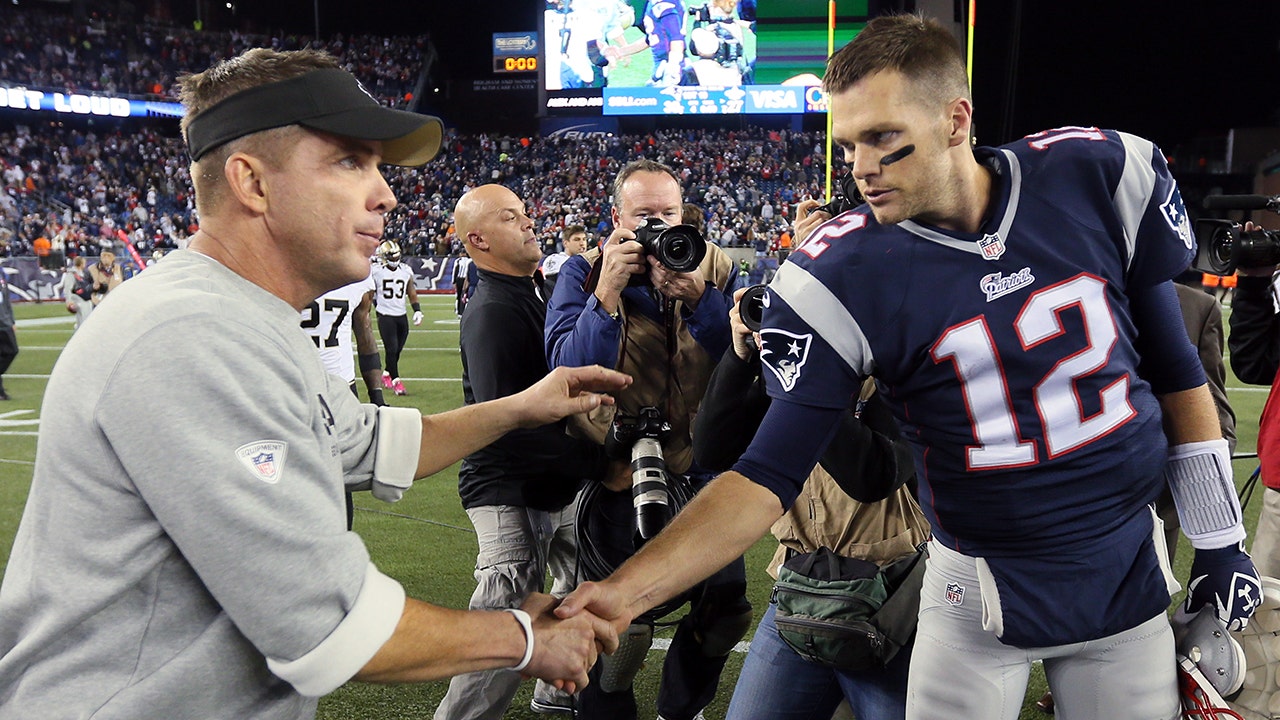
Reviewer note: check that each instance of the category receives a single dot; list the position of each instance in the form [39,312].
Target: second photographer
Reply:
[621,307]
[1254,343]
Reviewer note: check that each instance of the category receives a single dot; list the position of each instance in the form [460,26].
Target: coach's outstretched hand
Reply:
[1226,580]
[568,391]
[565,649]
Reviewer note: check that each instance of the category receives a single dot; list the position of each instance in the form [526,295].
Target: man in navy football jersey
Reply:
[1015,306]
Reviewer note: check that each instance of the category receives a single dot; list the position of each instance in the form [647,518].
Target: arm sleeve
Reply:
[271,547]
[709,322]
[1169,361]
[780,456]
[868,458]
[731,411]
[578,331]
[865,457]
[1255,332]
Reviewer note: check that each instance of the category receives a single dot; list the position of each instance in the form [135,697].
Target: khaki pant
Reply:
[1266,538]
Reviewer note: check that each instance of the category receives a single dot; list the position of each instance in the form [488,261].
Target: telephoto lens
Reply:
[649,487]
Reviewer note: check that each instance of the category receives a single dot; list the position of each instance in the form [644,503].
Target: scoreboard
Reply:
[515,63]
[515,52]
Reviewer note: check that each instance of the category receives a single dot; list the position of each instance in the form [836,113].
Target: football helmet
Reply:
[1211,666]
[389,254]
[1259,699]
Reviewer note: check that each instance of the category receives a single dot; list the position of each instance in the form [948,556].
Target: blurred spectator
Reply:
[104,277]
[8,334]
[77,288]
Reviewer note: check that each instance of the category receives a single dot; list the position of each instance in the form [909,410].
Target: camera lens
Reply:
[649,493]
[680,248]
[751,306]
[1220,248]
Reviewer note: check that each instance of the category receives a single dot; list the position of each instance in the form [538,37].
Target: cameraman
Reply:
[1255,357]
[620,307]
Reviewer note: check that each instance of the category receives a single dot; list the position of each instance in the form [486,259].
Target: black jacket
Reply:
[502,354]
[1255,331]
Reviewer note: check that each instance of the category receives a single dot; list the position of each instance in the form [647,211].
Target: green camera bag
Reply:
[848,613]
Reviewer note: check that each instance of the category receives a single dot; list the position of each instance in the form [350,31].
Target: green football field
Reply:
[425,540]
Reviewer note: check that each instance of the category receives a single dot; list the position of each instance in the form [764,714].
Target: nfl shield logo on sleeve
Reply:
[954,594]
[264,459]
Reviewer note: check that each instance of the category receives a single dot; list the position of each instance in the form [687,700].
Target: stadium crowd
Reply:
[78,187]
[116,55]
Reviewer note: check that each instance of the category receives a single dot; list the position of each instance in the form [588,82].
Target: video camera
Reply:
[678,247]
[640,438]
[1224,245]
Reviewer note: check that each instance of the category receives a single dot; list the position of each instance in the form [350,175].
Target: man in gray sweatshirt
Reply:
[184,550]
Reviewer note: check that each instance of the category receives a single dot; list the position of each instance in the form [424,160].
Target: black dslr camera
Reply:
[845,198]
[838,203]
[1223,245]
[678,247]
[640,438]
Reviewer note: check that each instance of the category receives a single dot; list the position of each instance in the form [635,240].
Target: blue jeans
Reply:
[778,684]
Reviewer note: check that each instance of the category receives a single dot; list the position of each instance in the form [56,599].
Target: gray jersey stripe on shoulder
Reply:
[823,311]
[1015,195]
[1133,194]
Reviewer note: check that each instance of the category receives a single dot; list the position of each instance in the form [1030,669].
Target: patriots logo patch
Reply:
[264,459]
[785,354]
[1175,213]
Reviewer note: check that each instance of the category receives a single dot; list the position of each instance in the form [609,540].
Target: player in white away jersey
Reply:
[393,284]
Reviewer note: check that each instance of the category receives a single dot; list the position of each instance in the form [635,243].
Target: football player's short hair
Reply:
[635,166]
[920,48]
[571,231]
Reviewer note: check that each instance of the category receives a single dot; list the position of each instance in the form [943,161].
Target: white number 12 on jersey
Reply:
[986,392]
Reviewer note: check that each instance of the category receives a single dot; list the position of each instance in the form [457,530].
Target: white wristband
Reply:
[526,624]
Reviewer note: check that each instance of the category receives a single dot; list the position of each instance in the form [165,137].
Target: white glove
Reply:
[417,317]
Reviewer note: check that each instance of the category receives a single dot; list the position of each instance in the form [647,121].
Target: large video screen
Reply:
[687,57]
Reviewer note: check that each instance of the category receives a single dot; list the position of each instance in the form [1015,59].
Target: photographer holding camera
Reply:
[624,306]
[1255,357]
